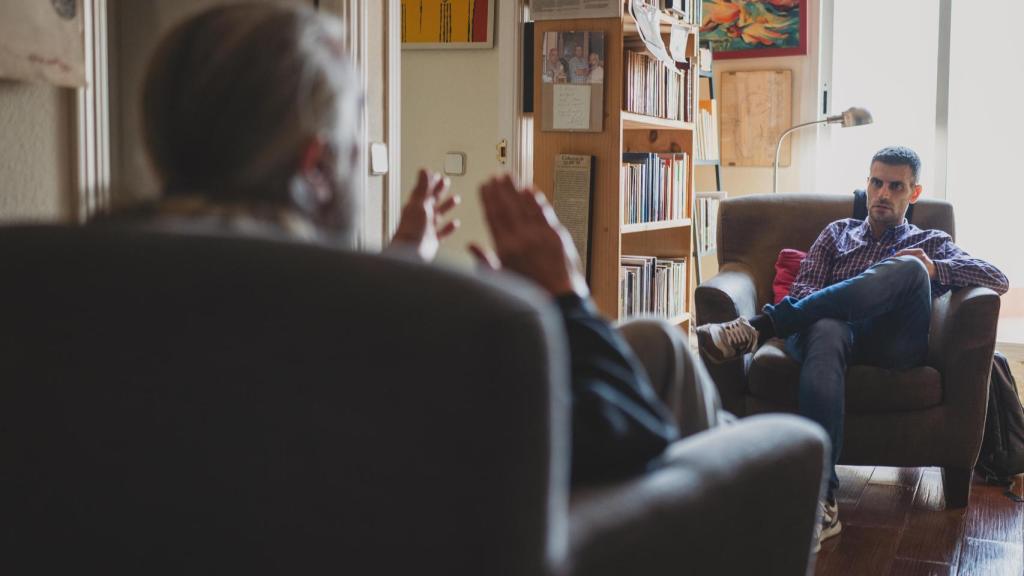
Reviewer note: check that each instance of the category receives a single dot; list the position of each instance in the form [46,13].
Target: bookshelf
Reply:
[623,132]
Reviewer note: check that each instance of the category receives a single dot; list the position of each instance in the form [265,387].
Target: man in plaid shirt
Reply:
[863,295]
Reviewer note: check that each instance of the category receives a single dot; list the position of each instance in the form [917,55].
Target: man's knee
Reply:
[910,268]
[829,334]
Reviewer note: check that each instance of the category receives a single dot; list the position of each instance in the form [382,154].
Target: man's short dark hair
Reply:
[900,156]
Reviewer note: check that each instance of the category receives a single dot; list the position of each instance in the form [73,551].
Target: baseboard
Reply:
[1013,350]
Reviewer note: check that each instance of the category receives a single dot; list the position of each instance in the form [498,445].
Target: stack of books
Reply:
[707,131]
[706,219]
[650,286]
[654,187]
[652,89]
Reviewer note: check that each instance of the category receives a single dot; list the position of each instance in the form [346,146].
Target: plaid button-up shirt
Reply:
[846,248]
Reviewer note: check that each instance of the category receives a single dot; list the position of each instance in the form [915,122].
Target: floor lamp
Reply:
[851,117]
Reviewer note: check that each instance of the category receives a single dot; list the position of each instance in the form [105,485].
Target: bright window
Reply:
[985,129]
[886,65]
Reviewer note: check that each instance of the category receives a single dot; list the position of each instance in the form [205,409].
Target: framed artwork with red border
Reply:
[754,28]
[437,24]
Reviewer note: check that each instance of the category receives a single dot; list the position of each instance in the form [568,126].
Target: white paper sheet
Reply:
[571,107]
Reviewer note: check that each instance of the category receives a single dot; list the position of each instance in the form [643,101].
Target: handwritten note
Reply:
[571,107]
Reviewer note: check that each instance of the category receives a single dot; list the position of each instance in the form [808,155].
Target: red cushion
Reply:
[786,269]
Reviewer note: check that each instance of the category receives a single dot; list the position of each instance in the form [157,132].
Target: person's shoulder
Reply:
[842,225]
[928,233]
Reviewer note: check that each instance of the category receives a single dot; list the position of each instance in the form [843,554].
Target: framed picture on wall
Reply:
[447,24]
[755,28]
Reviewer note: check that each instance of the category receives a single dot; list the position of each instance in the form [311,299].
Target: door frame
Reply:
[509,43]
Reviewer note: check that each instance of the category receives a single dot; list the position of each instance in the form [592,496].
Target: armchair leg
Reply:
[956,484]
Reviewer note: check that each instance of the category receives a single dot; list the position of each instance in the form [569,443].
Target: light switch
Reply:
[378,158]
[455,163]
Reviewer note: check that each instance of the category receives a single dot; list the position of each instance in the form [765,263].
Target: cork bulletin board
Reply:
[756,107]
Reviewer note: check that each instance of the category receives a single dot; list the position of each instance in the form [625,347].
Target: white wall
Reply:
[800,174]
[36,146]
[450,103]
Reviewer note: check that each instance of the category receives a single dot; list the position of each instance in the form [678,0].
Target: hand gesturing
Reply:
[529,239]
[421,227]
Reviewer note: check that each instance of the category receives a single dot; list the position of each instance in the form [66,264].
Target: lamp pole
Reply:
[778,149]
[850,117]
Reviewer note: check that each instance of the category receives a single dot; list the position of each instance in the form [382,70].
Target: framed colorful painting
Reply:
[434,24]
[755,28]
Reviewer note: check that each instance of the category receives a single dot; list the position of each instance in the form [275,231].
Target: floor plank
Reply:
[904,567]
[881,505]
[861,550]
[852,480]
[897,476]
[982,557]
[932,533]
[895,522]
[993,516]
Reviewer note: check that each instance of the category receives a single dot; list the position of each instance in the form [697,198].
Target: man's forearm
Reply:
[963,272]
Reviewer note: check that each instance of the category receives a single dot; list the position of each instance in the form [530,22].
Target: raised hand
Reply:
[421,226]
[528,238]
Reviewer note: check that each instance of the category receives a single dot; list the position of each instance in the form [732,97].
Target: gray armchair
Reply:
[933,415]
[207,405]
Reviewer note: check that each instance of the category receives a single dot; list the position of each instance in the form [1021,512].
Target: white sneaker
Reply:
[829,525]
[728,340]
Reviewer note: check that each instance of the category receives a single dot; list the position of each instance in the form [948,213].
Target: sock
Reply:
[764,326]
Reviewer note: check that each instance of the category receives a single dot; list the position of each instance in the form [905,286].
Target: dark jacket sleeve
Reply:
[618,423]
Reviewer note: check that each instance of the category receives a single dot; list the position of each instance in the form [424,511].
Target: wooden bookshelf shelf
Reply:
[671,242]
[660,225]
[633,121]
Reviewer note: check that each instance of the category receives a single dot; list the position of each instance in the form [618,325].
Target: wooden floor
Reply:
[895,523]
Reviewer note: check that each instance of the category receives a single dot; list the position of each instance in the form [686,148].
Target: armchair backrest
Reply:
[197,405]
[753,229]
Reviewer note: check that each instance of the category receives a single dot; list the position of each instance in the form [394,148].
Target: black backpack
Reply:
[1002,449]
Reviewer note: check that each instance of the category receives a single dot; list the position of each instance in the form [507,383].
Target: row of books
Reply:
[706,220]
[707,130]
[650,286]
[654,187]
[652,89]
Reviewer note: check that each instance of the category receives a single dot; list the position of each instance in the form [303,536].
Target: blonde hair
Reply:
[234,95]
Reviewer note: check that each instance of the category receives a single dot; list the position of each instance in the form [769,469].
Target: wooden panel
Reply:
[605,146]
[754,109]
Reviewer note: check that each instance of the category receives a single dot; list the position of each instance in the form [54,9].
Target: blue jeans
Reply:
[879,317]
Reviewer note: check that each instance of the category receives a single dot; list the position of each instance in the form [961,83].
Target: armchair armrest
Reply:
[961,343]
[684,516]
[729,294]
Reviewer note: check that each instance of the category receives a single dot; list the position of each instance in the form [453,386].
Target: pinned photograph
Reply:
[573,58]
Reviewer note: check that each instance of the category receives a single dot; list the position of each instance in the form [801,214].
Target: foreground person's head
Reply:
[255,105]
